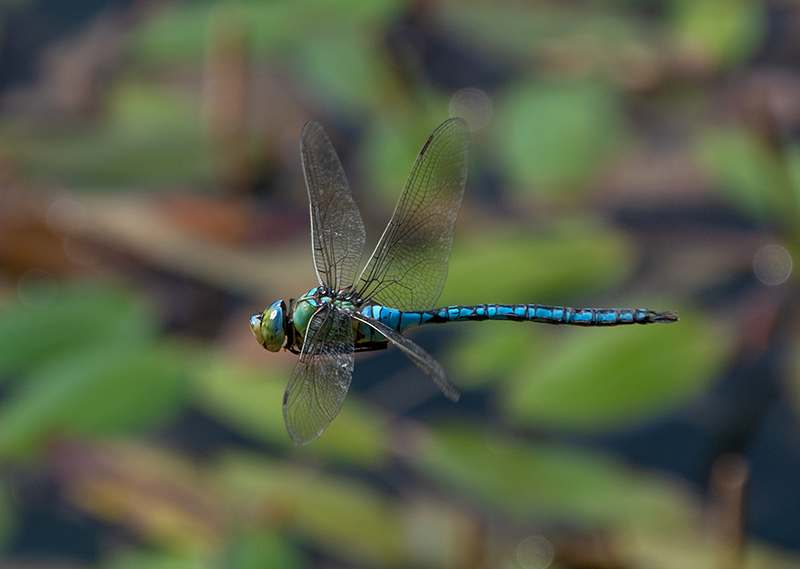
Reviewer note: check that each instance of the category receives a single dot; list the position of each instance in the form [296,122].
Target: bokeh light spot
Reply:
[37,289]
[535,553]
[772,265]
[65,215]
[472,105]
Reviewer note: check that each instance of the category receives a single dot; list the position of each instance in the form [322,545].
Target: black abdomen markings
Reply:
[547,314]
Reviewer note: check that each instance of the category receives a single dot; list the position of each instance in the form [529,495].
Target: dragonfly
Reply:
[351,312]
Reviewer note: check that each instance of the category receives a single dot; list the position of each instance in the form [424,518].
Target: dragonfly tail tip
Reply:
[668,316]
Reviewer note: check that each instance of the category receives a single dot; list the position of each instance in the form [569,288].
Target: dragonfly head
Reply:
[268,327]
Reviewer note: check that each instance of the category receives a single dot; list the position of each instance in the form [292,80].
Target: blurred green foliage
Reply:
[342,516]
[575,257]
[628,376]
[88,365]
[96,368]
[548,482]
[249,400]
[149,137]
[558,134]
[726,30]
[580,379]
[181,32]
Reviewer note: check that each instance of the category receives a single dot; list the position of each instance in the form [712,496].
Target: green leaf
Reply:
[728,31]
[694,547]
[153,137]
[176,35]
[491,351]
[749,174]
[557,135]
[343,517]
[81,316]
[345,65]
[390,145]
[608,378]
[103,388]
[140,559]
[258,549]
[579,32]
[545,482]
[249,400]
[514,266]
[181,34]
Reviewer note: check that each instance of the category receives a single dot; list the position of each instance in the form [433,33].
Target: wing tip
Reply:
[299,440]
[310,130]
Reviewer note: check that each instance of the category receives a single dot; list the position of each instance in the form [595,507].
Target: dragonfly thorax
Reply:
[305,306]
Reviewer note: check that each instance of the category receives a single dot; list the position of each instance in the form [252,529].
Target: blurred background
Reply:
[633,153]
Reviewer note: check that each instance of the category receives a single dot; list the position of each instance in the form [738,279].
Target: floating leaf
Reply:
[345,518]
[180,34]
[749,173]
[347,67]
[258,549]
[388,149]
[106,387]
[250,400]
[523,29]
[80,316]
[153,136]
[515,266]
[140,559]
[546,482]
[173,36]
[601,379]
[728,31]
[558,135]
[489,352]
[698,548]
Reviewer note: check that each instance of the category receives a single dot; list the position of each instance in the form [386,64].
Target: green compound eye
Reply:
[268,326]
[303,312]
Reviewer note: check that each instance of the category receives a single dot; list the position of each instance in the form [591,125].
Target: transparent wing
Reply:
[420,357]
[321,378]
[409,266]
[337,230]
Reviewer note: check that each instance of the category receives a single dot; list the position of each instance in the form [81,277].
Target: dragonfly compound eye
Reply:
[268,327]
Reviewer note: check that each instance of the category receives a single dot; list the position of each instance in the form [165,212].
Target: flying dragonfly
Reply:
[396,290]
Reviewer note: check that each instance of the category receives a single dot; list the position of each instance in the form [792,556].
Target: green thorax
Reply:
[309,303]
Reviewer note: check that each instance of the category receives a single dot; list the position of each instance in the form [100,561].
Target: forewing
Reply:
[321,378]
[409,266]
[337,230]
[420,357]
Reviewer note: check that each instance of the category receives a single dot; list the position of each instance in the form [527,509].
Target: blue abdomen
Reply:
[543,313]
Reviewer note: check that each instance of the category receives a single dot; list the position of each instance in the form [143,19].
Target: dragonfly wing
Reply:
[337,230]
[409,266]
[420,357]
[321,378]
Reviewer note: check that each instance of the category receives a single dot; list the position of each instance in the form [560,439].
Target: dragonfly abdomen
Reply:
[522,312]
[395,319]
